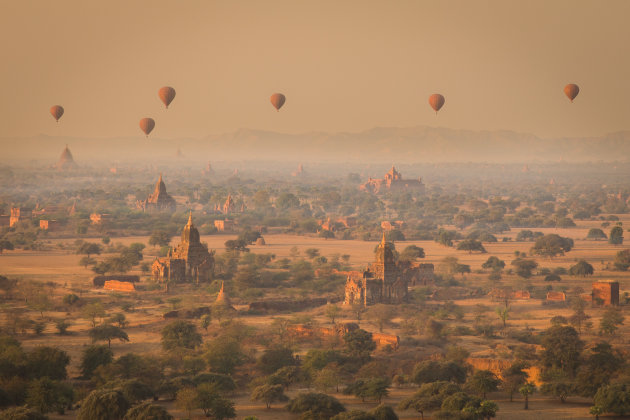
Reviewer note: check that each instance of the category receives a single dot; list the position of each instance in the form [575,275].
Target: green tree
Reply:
[514,377]
[601,364]
[596,234]
[269,394]
[562,350]
[446,237]
[286,201]
[333,311]
[159,238]
[85,261]
[4,244]
[524,267]
[180,335]
[223,355]
[276,358]
[411,253]
[614,398]
[359,344]
[120,319]
[596,411]
[132,255]
[148,411]
[92,311]
[236,245]
[93,357]
[47,395]
[213,404]
[186,399]
[47,362]
[616,236]
[429,397]
[206,320]
[107,332]
[622,260]
[284,376]
[471,245]
[62,326]
[483,381]
[503,314]
[376,388]
[315,406]
[433,371]
[384,412]
[104,404]
[117,264]
[493,263]
[527,390]
[610,321]
[582,269]
[21,413]
[329,377]
[89,248]
[552,245]
[70,299]
[381,315]
[358,309]
[579,319]
[222,383]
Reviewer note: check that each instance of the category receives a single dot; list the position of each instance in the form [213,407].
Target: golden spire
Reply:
[190,218]
[383,239]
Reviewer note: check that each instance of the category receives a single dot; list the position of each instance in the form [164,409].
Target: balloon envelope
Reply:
[56,111]
[571,90]
[436,101]
[166,94]
[146,125]
[277,100]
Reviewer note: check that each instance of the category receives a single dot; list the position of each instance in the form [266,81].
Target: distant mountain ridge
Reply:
[407,144]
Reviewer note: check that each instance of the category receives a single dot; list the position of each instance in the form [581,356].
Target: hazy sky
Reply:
[343,65]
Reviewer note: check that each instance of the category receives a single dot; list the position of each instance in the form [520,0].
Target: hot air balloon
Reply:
[147,125]
[56,111]
[277,100]
[166,94]
[436,101]
[571,90]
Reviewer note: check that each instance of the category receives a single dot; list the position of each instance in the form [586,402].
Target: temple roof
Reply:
[222,298]
[160,187]
[65,160]
[190,234]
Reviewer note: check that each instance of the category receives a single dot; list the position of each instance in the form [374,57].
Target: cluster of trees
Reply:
[37,378]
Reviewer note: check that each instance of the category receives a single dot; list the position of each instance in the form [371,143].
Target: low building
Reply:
[19,214]
[224,225]
[100,218]
[49,225]
[393,181]
[556,297]
[605,293]
[119,286]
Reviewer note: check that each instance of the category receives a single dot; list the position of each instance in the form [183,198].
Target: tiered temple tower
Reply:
[159,200]
[189,261]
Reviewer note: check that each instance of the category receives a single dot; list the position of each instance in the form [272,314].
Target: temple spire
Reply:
[383,239]
[190,218]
